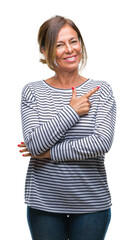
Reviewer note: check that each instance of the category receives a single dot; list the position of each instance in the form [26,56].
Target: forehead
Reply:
[66,32]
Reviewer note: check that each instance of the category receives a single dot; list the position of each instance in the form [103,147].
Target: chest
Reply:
[50,103]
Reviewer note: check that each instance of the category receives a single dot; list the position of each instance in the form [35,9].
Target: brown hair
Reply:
[47,36]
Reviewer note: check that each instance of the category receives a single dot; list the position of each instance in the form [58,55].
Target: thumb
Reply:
[74,92]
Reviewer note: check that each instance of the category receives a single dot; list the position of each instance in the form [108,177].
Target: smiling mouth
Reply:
[70,59]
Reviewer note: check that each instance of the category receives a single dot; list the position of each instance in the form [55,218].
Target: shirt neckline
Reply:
[64,89]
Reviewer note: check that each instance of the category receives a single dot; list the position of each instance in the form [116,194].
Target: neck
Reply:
[67,79]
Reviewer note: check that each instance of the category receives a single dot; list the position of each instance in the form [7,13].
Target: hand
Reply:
[28,154]
[82,104]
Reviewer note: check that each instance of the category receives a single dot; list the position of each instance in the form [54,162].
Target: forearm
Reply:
[89,147]
[45,136]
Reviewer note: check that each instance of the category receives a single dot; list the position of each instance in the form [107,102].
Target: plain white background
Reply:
[107,29]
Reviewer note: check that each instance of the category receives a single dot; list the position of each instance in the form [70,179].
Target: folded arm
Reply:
[100,141]
[41,137]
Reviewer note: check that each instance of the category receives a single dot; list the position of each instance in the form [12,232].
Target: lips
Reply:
[70,58]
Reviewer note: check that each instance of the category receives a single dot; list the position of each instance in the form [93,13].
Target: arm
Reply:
[39,138]
[100,141]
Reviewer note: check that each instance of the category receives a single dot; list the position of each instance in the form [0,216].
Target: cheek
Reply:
[79,49]
[59,53]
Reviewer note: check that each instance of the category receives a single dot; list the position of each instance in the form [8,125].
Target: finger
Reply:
[89,104]
[86,105]
[91,92]
[22,145]
[24,150]
[74,92]
[38,156]
[27,155]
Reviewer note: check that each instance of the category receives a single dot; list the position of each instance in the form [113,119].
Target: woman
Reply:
[68,126]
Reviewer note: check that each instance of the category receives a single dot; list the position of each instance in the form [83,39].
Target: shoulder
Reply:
[105,87]
[99,83]
[31,87]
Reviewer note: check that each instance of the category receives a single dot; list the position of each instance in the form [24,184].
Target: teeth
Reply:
[71,58]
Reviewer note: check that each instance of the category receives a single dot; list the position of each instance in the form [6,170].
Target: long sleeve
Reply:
[41,137]
[96,144]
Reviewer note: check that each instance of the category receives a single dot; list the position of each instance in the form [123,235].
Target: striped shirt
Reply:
[74,180]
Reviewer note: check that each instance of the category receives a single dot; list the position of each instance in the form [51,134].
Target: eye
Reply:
[74,41]
[59,45]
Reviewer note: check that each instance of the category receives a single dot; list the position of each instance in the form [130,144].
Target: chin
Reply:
[69,67]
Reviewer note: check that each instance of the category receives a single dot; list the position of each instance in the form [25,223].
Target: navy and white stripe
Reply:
[74,180]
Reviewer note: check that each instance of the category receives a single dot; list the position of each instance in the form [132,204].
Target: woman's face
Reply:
[68,49]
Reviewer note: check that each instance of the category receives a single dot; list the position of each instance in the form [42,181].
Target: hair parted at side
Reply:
[47,36]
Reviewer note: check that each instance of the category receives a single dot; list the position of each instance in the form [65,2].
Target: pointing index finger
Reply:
[91,92]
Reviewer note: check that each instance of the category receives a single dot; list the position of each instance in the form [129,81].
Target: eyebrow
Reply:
[69,40]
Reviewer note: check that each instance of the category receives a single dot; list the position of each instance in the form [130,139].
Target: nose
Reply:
[68,48]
